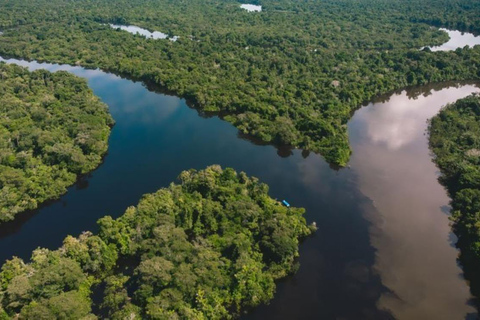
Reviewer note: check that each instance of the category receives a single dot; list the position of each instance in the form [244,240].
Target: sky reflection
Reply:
[410,229]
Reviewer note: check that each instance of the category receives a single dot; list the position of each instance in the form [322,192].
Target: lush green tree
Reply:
[52,128]
[65,306]
[455,141]
[205,248]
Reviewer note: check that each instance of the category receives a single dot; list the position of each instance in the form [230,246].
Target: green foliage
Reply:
[51,286]
[455,141]
[291,74]
[65,306]
[205,248]
[91,252]
[52,128]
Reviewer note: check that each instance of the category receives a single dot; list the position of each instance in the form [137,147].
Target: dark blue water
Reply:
[156,136]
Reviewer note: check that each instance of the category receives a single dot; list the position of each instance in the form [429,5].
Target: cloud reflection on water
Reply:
[414,256]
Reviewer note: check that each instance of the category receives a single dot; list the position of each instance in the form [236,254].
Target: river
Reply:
[383,249]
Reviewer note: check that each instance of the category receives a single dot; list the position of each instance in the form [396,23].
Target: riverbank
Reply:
[454,140]
[53,130]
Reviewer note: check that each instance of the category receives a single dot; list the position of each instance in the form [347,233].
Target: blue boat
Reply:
[286,203]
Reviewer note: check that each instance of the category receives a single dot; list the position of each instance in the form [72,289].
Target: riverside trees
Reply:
[206,248]
[455,141]
[52,129]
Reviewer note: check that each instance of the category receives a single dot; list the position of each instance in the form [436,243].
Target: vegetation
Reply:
[206,248]
[455,141]
[291,74]
[52,128]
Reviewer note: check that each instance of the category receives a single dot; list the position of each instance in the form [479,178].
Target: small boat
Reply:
[286,203]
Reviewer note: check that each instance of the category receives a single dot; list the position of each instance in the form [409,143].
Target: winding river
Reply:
[383,249]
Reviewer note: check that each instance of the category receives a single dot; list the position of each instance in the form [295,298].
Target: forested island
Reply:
[291,74]
[52,129]
[455,142]
[208,247]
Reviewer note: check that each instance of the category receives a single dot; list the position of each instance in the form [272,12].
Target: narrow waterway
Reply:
[383,249]
[155,35]
[457,40]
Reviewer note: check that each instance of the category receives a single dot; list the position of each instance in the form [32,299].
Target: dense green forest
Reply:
[455,142]
[52,128]
[291,74]
[206,248]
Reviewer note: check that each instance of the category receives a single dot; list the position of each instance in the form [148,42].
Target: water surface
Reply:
[415,255]
[251,7]
[458,39]
[144,32]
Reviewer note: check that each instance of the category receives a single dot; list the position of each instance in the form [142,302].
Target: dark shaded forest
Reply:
[290,75]
[455,142]
[208,247]
[52,129]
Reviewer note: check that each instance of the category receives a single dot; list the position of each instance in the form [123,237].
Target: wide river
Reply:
[383,249]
